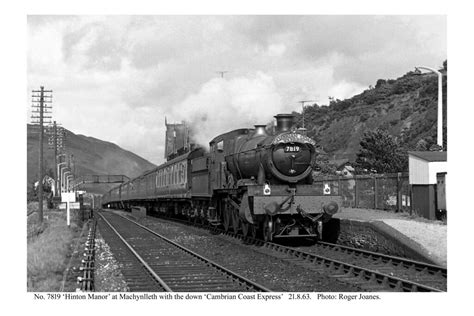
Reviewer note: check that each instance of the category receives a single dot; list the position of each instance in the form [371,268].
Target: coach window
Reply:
[220,146]
[176,174]
[176,180]
[172,175]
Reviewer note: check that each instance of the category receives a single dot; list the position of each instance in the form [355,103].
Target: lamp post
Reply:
[68,207]
[57,161]
[67,181]
[73,183]
[63,178]
[440,102]
[59,176]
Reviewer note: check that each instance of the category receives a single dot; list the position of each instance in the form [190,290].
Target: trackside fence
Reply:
[390,191]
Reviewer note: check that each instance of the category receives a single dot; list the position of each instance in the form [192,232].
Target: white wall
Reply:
[418,170]
[424,172]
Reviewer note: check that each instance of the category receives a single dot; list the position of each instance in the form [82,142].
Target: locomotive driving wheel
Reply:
[268,228]
[248,229]
[235,221]
[226,217]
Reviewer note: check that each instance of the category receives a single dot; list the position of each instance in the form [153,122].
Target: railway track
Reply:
[372,271]
[151,262]
[420,272]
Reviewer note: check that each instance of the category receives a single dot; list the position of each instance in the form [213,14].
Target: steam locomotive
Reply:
[250,181]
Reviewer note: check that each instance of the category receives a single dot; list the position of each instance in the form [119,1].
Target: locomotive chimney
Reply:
[284,122]
[260,130]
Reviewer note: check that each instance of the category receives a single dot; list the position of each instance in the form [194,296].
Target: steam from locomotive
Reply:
[223,104]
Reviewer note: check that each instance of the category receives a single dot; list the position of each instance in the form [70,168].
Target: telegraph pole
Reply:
[40,100]
[55,142]
[73,162]
[222,72]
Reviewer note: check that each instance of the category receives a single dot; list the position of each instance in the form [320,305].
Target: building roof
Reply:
[430,156]
[339,162]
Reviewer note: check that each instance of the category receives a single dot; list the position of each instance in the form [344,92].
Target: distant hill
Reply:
[406,107]
[91,156]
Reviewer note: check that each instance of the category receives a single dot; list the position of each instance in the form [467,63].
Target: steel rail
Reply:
[142,261]
[420,266]
[235,276]
[380,277]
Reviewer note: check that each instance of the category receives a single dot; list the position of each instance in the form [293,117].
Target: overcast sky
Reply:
[117,77]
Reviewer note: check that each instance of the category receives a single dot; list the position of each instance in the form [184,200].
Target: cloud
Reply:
[131,71]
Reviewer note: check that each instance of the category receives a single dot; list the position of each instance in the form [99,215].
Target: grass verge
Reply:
[49,245]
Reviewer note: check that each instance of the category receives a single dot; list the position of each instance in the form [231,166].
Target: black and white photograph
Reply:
[266,159]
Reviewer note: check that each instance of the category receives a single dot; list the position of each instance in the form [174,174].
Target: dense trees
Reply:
[380,153]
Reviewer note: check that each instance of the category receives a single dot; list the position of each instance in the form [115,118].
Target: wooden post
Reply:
[375,192]
[339,191]
[41,168]
[399,193]
[356,195]
[339,185]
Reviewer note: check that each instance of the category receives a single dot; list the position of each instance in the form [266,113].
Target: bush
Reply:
[380,152]
[406,112]
[364,117]
[380,83]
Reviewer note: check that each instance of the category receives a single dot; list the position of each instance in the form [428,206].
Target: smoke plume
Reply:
[222,105]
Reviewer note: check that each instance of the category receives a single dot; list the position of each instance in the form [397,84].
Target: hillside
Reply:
[91,156]
[405,107]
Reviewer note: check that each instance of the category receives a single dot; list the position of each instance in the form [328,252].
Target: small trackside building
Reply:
[425,170]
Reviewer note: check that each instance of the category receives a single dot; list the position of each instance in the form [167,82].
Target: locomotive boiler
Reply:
[251,180]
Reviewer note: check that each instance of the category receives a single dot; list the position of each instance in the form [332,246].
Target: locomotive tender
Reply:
[249,181]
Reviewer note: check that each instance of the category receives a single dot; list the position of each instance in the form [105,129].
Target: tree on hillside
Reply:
[380,153]
[322,166]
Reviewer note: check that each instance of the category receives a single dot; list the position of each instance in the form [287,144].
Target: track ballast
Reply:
[153,263]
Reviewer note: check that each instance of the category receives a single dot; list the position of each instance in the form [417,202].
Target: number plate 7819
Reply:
[292,149]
